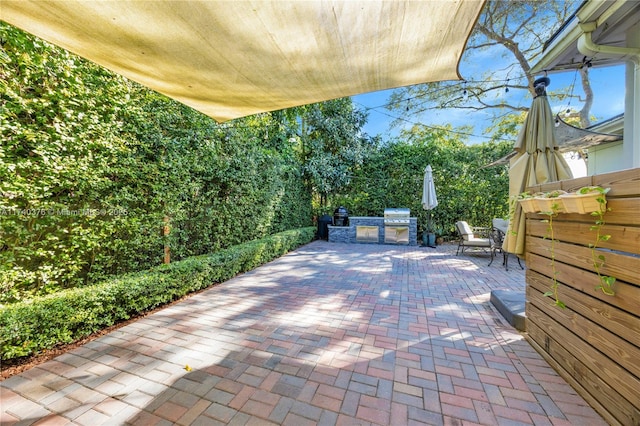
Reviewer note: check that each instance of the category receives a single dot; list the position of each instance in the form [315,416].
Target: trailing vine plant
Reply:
[606,282]
[555,207]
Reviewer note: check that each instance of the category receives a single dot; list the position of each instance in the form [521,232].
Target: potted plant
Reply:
[587,199]
[605,282]
[527,202]
[550,202]
[428,237]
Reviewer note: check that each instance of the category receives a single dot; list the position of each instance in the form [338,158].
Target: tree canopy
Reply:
[332,144]
[392,176]
[513,35]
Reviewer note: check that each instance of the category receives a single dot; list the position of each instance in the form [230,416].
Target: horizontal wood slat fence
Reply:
[594,343]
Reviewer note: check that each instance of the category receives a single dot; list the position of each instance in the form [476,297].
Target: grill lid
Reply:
[396,213]
[396,216]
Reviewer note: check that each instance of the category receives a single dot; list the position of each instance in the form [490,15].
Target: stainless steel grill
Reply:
[396,226]
[396,217]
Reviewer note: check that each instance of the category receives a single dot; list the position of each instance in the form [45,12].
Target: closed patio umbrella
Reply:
[537,161]
[429,202]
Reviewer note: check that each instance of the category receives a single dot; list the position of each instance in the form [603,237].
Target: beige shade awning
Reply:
[230,59]
[569,138]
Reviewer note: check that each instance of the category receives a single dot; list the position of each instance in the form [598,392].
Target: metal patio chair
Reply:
[474,237]
[498,231]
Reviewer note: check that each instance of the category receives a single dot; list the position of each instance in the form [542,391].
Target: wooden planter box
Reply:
[581,203]
[545,205]
[528,205]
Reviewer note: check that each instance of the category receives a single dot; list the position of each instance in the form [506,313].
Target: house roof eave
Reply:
[561,50]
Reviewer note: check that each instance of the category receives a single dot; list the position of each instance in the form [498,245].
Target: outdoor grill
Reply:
[341,217]
[396,226]
[396,217]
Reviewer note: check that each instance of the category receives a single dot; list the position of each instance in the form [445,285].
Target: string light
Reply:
[575,75]
[438,128]
[444,88]
[465,94]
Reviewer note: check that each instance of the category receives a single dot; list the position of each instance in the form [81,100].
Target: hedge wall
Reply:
[66,316]
[91,164]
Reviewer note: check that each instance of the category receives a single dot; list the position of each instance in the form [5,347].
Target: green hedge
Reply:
[44,322]
[91,164]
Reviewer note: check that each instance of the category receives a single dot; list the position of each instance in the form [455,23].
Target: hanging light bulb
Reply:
[557,121]
[506,87]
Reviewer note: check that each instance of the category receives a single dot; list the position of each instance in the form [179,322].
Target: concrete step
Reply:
[511,305]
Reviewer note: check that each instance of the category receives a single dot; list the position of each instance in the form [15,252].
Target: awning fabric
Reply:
[569,138]
[230,59]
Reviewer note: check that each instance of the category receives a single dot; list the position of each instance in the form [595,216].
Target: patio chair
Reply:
[473,237]
[498,231]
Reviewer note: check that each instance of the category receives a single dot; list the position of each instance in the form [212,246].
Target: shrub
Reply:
[91,164]
[44,322]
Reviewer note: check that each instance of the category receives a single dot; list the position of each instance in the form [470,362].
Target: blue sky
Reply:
[607,84]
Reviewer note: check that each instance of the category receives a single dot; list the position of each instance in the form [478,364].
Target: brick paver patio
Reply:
[329,334]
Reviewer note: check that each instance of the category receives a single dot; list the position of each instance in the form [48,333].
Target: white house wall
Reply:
[631,154]
[605,158]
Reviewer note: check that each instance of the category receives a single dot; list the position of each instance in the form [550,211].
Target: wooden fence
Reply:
[594,343]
